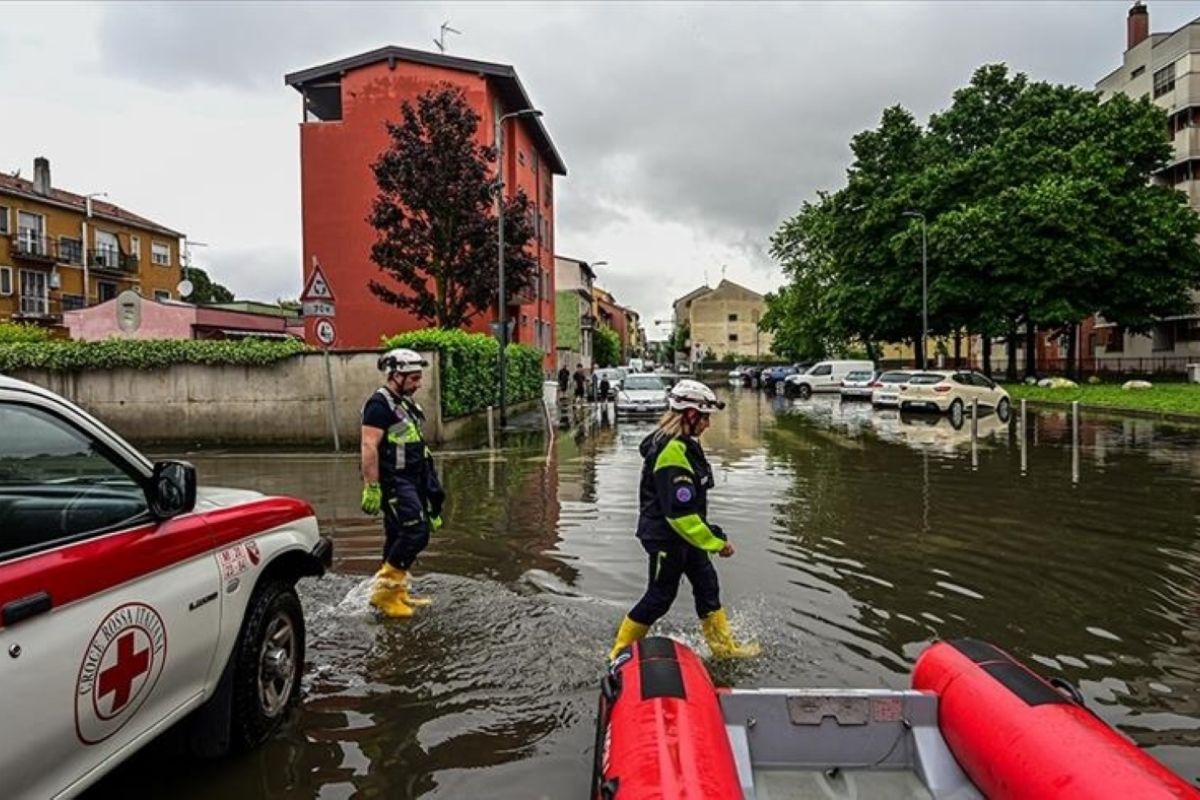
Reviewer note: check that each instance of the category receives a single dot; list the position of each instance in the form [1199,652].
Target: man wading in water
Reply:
[673,525]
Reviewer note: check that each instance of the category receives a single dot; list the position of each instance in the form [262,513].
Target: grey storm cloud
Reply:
[723,117]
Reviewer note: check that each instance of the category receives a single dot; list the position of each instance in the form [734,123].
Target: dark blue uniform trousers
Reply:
[405,524]
[670,561]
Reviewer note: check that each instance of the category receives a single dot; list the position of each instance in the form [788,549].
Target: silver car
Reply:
[857,385]
[642,394]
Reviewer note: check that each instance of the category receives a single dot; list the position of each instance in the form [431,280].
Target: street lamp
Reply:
[525,112]
[83,246]
[924,288]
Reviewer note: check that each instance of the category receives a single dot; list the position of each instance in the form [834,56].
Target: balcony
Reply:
[587,322]
[111,259]
[1187,144]
[30,248]
[39,309]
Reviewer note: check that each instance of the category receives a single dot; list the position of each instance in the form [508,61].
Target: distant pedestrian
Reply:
[580,384]
[564,379]
[605,388]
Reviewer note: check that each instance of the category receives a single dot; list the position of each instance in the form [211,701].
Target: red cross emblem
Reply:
[118,679]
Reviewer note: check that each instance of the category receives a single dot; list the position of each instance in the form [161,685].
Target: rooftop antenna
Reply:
[441,40]
[723,272]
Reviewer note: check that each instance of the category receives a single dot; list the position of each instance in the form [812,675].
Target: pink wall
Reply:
[159,321]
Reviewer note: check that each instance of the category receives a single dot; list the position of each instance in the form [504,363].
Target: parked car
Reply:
[824,376]
[885,389]
[132,600]
[736,376]
[857,385]
[642,394]
[773,375]
[953,392]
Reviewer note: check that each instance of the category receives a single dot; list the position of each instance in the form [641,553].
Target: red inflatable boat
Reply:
[1016,735]
[976,724]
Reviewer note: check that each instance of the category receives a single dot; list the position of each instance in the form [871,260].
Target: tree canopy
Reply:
[606,347]
[1040,211]
[435,214]
[205,289]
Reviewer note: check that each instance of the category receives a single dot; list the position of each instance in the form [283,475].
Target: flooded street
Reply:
[862,536]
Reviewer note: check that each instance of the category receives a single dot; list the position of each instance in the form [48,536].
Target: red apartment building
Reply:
[345,105]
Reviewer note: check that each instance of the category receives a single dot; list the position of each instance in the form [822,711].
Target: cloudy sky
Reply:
[689,130]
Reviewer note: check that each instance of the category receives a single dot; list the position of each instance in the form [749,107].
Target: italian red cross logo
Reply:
[118,679]
[120,667]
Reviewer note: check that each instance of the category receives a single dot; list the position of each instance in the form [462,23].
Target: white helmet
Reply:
[693,394]
[400,361]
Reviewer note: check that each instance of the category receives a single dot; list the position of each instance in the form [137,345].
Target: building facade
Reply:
[345,107]
[573,319]
[1164,68]
[611,314]
[724,322]
[61,251]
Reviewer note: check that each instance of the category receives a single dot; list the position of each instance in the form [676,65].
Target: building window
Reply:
[1164,80]
[71,302]
[107,290]
[1137,71]
[4,212]
[733,317]
[135,246]
[31,233]
[160,253]
[70,250]
[733,337]
[108,250]
[1116,340]
[162,294]
[35,293]
[1164,336]
[6,281]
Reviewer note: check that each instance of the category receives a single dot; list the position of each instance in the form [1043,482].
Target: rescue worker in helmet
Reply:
[673,524]
[399,478]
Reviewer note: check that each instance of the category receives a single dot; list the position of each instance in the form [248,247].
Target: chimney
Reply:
[1137,26]
[41,176]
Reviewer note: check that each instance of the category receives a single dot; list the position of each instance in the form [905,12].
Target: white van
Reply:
[824,376]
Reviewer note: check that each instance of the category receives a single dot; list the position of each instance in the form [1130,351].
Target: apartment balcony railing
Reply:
[112,259]
[27,246]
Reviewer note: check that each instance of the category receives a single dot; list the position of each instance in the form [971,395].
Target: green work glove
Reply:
[372,498]
[435,522]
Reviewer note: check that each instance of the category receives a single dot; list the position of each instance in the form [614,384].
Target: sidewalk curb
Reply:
[1138,413]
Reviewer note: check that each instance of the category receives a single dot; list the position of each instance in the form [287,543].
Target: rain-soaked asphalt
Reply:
[861,538]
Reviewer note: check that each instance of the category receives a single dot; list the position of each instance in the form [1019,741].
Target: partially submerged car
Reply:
[132,600]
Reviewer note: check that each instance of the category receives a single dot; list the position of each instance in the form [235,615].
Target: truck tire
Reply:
[267,663]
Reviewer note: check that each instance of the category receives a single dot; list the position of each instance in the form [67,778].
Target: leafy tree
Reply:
[606,347]
[204,288]
[435,214]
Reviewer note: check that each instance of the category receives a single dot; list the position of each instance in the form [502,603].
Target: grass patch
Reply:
[1164,398]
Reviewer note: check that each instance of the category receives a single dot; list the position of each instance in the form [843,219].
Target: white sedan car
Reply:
[857,385]
[642,394]
[131,600]
[953,392]
[885,390]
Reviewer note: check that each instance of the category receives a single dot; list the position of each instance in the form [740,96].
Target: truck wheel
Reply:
[805,391]
[267,663]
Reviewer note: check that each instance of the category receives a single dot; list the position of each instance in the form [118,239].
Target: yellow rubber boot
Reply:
[415,602]
[627,634]
[388,593]
[720,638]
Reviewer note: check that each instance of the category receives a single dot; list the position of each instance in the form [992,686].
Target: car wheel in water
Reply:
[268,661]
[805,391]
[1003,409]
[956,411]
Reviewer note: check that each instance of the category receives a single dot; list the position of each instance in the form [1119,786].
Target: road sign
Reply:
[317,287]
[326,333]
[318,308]
[495,326]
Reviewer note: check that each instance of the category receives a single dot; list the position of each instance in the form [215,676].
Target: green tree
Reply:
[435,214]
[606,347]
[205,289]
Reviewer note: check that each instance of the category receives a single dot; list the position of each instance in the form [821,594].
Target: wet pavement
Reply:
[862,536]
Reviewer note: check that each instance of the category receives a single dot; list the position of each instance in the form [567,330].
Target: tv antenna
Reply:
[441,40]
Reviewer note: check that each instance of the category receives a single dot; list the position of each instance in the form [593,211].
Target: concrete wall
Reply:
[282,403]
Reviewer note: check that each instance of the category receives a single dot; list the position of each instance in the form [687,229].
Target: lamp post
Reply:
[83,244]
[525,112]
[924,288]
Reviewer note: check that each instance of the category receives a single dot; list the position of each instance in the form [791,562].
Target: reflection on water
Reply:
[862,536]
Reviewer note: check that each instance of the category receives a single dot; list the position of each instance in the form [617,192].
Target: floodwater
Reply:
[862,536]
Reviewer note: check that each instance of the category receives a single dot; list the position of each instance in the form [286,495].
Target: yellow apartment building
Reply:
[61,251]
